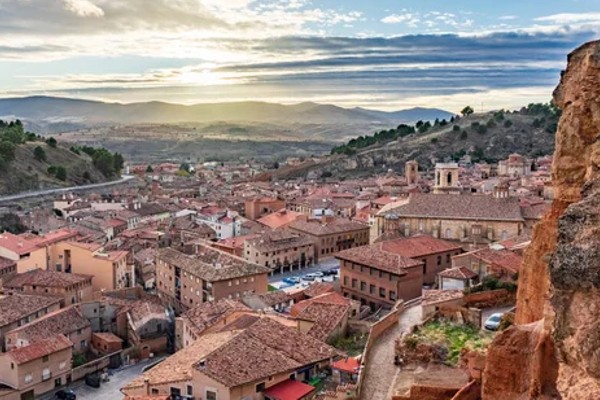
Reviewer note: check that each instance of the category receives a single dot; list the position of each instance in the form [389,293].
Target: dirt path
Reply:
[381,371]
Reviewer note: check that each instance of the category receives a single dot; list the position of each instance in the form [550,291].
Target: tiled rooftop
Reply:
[373,256]
[64,321]
[418,246]
[16,306]
[210,264]
[320,228]
[458,207]
[54,344]
[38,277]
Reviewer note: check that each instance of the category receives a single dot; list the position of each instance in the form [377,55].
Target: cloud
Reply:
[569,18]
[507,17]
[83,8]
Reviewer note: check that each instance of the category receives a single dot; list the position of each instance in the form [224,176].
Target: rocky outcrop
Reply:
[554,351]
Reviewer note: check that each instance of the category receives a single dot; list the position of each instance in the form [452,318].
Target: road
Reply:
[25,195]
[381,371]
[321,266]
[108,390]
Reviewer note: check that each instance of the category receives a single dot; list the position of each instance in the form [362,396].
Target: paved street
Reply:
[321,266]
[381,371]
[108,390]
[37,193]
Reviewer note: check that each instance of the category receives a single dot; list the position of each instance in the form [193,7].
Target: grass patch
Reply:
[453,337]
[352,345]
[271,288]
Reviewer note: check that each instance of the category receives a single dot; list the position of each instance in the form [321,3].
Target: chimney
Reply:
[147,386]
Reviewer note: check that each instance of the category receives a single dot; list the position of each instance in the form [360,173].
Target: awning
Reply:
[288,390]
[349,364]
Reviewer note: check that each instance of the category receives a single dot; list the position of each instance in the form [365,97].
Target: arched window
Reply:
[449,178]
[448,234]
[504,235]
[438,179]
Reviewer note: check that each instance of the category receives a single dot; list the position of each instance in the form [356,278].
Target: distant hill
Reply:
[28,162]
[486,137]
[54,114]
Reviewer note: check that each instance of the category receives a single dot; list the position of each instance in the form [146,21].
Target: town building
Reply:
[36,369]
[281,250]
[257,208]
[446,179]
[411,172]
[494,260]
[71,288]
[466,218]
[332,235]
[184,281]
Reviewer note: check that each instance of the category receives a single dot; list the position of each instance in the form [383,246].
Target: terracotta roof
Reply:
[373,256]
[279,240]
[179,366]
[326,317]
[279,218]
[318,288]
[54,344]
[264,349]
[16,306]
[211,264]
[44,278]
[16,244]
[319,228]
[458,207]
[108,337]
[418,246]
[63,321]
[207,314]
[462,273]
[505,259]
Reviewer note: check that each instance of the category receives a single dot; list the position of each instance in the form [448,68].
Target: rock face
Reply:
[564,298]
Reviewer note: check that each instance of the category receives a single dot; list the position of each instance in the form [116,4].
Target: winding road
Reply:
[46,192]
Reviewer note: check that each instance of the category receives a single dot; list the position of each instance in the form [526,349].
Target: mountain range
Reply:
[55,114]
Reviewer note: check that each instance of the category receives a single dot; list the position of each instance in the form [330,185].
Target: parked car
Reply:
[66,394]
[291,280]
[493,322]
[333,271]
[319,274]
[308,277]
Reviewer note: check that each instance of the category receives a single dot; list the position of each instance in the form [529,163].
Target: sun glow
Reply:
[201,78]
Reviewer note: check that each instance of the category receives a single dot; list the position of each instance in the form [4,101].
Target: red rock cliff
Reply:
[554,350]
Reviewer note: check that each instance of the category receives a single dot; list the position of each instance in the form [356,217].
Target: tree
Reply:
[468,110]
[86,175]
[149,169]
[11,223]
[456,128]
[104,161]
[39,154]
[118,161]
[61,173]
[463,135]
[507,123]
[51,142]
[7,150]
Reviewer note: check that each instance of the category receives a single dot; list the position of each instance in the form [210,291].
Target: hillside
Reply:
[53,114]
[485,137]
[28,162]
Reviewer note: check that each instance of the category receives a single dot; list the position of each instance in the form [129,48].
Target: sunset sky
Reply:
[384,54]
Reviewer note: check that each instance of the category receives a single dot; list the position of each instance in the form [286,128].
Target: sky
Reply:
[381,54]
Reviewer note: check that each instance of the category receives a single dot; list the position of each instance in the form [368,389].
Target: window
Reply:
[363,286]
[83,343]
[46,374]
[28,378]
[154,391]
[260,387]
[424,266]
[45,359]
[382,293]
[210,395]
[392,295]
[372,289]
[345,281]
[354,283]
[439,260]
[190,390]
[447,258]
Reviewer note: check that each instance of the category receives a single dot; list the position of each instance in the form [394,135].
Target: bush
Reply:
[434,140]
[508,123]
[482,129]
[7,150]
[456,128]
[39,154]
[61,173]
[86,176]
[464,135]
[51,142]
